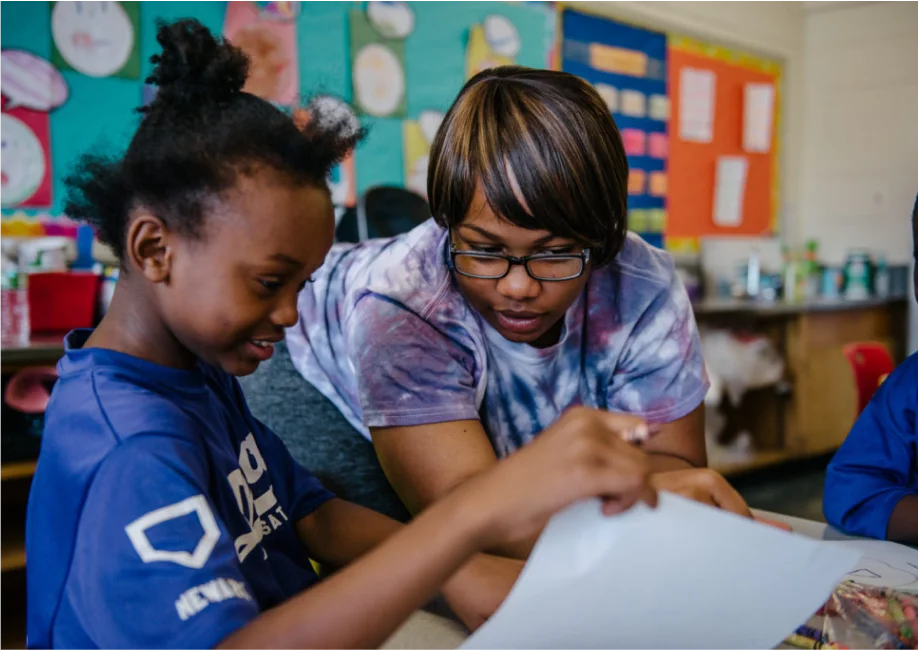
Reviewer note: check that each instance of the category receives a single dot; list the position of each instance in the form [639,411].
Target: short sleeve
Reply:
[408,371]
[153,565]
[661,374]
[304,491]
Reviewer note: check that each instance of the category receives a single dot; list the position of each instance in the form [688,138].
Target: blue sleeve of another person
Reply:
[154,566]
[876,465]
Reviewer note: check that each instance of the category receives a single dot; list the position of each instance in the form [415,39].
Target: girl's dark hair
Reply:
[197,135]
[551,133]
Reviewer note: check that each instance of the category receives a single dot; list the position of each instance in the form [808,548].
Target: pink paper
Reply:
[635,142]
[658,145]
[271,48]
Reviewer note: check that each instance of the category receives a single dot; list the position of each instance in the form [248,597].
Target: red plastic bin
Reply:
[60,302]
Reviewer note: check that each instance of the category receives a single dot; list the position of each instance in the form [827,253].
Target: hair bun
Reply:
[194,66]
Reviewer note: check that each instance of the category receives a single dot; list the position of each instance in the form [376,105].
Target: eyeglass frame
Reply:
[583,256]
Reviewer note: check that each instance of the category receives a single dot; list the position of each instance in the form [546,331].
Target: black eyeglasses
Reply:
[545,267]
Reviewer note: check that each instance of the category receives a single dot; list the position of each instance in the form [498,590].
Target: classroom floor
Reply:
[795,490]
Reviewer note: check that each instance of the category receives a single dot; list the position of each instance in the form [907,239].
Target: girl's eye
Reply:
[567,250]
[271,285]
[304,283]
[485,249]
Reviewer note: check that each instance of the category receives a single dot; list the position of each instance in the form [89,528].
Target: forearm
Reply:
[339,532]
[476,591]
[360,606]
[903,522]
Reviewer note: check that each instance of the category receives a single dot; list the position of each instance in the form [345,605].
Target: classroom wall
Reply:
[773,29]
[860,157]
[100,112]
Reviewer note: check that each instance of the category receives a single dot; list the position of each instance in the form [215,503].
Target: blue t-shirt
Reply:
[161,513]
[878,463]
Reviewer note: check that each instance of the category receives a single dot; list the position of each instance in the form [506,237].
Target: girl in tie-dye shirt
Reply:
[453,345]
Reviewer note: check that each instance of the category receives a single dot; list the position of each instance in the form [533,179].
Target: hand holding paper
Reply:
[681,576]
[583,454]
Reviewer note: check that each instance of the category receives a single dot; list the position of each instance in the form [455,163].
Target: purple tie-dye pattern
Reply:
[387,337]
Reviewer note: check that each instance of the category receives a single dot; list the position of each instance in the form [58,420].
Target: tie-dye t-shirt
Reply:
[385,334]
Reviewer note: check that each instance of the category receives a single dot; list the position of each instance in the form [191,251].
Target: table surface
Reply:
[425,630]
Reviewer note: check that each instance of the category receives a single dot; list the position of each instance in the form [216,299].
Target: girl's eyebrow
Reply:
[285,259]
[481,231]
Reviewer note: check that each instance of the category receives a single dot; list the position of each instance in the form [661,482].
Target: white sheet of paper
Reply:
[758,116]
[682,576]
[729,190]
[696,104]
[884,564]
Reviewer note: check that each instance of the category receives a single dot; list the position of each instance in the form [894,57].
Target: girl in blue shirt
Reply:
[161,512]
[872,482]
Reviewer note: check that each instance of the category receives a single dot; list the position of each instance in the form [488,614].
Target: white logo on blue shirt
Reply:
[263,512]
[197,598]
[137,533]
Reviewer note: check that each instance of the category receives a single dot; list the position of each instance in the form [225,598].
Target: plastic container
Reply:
[15,312]
[59,302]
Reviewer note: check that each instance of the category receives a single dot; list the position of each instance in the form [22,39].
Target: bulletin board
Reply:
[628,67]
[100,110]
[693,165]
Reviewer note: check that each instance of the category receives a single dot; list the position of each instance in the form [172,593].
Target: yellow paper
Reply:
[617,60]
[415,154]
[479,55]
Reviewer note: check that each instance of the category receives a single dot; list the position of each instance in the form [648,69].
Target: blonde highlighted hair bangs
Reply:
[542,136]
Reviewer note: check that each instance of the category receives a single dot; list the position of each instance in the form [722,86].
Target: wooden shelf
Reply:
[11,471]
[12,555]
[761,459]
[729,466]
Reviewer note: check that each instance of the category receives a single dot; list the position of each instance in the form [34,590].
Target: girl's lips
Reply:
[519,322]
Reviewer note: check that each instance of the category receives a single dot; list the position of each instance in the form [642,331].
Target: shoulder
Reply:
[103,403]
[641,278]
[644,265]
[902,383]
[409,269]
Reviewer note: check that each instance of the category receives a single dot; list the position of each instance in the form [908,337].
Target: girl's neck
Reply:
[132,325]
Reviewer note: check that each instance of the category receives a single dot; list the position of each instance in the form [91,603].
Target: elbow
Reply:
[841,502]
[856,508]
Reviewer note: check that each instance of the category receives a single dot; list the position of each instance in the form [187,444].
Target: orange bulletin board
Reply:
[692,165]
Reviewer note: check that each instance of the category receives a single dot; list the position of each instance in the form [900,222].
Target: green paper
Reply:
[131,67]
[361,35]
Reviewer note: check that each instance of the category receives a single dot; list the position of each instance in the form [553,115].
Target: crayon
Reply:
[810,633]
[898,616]
[805,643]
[910,616]
[799,641]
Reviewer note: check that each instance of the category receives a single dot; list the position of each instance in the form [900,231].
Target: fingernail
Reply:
[641,433]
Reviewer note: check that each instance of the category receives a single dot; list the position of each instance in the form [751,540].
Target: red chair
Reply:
[871,362]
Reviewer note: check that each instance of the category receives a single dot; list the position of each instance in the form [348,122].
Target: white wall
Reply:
[773,29]
[860,127]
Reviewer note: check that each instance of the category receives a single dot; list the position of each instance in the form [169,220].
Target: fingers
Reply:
[623,476]
[726,498]
[774,524]
[622,424]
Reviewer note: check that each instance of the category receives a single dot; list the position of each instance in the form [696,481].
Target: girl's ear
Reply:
[148,246]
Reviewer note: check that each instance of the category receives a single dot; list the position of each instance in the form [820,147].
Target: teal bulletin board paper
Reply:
[101,111]
[131,67]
